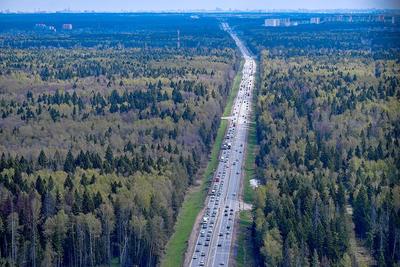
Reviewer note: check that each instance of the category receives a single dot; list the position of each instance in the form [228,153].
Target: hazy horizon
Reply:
[161,5]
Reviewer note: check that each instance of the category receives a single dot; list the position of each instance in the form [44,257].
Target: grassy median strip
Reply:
[245,249]
[194,202]
[245,246]
[249,167]
[249,164]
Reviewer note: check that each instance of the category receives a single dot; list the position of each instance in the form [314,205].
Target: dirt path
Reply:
[361,255]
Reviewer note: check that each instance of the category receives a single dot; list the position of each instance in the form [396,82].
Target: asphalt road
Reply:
[214,240]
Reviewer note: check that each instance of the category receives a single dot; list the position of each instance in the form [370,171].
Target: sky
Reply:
[160,5]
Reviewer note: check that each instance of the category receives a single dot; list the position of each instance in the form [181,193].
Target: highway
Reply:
[214,240]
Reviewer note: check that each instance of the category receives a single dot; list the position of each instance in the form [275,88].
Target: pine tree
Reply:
[341,196]
[361,214]
[87,202]
[42,159]
[84,180]
[109,155]
[40,185]
[98,200]
[177,96]
[68,183]
[69,164]
[93,180]
[315,260]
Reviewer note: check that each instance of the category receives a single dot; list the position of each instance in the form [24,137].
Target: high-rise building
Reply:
[278,22]
[272,22]
[42,26]
[315,20]
[178,43]
[67,26]
[285,22]
[350,19]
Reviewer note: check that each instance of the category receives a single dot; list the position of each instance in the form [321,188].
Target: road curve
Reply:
[214,240]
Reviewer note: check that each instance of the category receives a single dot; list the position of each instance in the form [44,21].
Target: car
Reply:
[221,234]
[203,254]
[195,257]
[206,244]
[199,243]
[221,263]
[219,245]
[201,263]
[197,250]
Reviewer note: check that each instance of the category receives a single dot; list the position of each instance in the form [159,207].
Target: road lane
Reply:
[214,240]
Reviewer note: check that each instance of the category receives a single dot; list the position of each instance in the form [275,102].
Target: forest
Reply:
[328,121]
[100,141]
[105,127]
[113,30]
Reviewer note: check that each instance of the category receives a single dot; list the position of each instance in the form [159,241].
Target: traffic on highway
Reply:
[214,240]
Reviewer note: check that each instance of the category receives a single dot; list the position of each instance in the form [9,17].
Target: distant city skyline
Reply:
[182,5]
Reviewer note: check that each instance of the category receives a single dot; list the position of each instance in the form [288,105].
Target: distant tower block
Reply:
[178,43]
[67,26]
